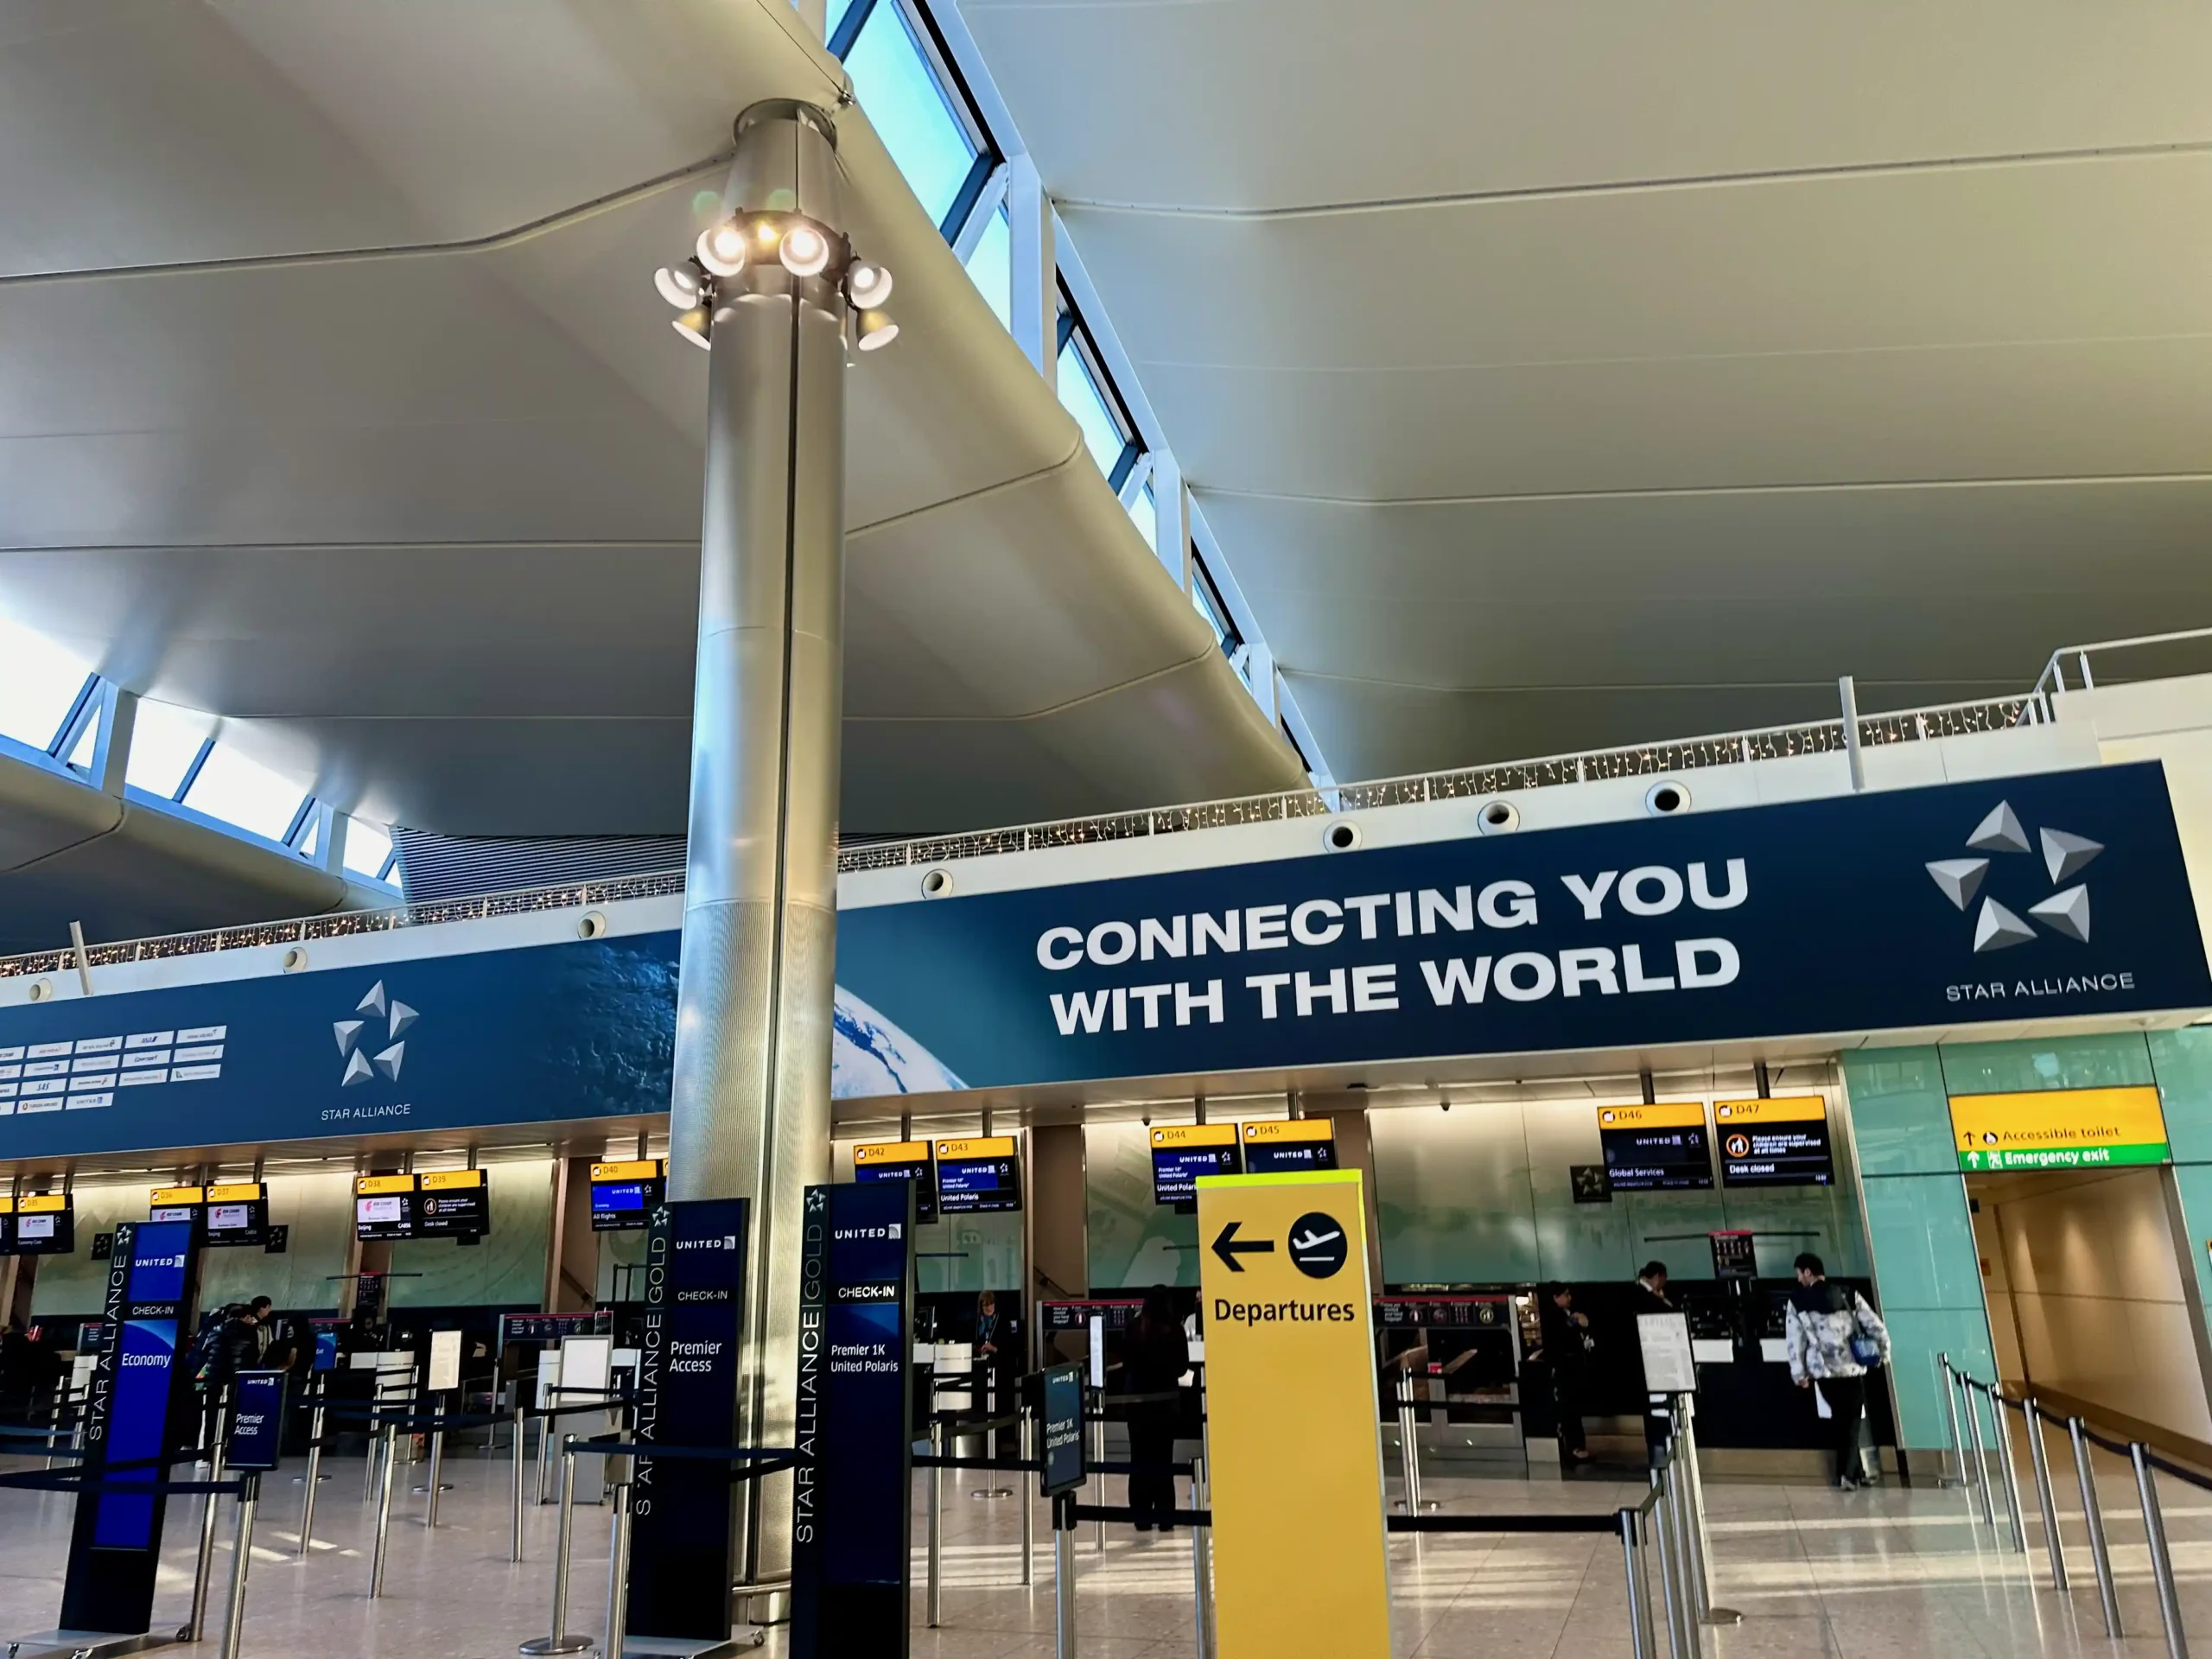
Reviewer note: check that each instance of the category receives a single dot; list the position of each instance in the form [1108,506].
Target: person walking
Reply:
[1568,1346]
[1834,1339]
[1154,1356]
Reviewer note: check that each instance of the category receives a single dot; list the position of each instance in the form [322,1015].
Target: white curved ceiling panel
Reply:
[1557,376]
[394,462]
[1245,106]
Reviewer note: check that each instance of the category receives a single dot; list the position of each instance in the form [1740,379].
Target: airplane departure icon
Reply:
[1313,1240]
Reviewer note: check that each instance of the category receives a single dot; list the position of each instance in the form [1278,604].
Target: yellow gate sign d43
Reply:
[2059,1128]
[1293,1422]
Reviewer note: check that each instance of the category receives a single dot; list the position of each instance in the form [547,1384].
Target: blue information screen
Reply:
[967,1185]
[257,1423]
[1267,1157]
[622,1207]
[918,1171]
[1063,1402]
[1175,1170]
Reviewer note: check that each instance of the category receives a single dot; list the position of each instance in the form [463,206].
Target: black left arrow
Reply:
[1228,1248]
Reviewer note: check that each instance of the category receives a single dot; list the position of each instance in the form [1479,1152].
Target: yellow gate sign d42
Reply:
[2059,1128]
[1293,1423]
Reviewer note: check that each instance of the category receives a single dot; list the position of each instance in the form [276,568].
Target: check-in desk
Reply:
[1747,1404]
[1460,1354]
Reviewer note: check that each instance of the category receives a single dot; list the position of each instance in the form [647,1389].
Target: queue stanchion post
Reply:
[2162,1561]
[2100,1554]
[1028,1500]
[1409,1444]
[1680,1643]
[1700,1537]
[1951,1412]
[618,1566]
[514,1550]
[1063,1639]
[559,1640]
[1981,1454]
[2039,1459]
[2015,1518]
[314,1476]
[206,1564]
[384,1509]
[437,1463]
[241,1558]
[1098,1457]
[1201,1560]
[936,1519]
[1638,1632]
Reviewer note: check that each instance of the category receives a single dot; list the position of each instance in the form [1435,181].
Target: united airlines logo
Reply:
[1996,927]
[380,1023]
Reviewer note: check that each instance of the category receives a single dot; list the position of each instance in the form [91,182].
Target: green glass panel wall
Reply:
[1482,1194]
[76,1285]
[970,1253]
[506,1270]
[1133,1242]
[2182,1060]
[319,1211]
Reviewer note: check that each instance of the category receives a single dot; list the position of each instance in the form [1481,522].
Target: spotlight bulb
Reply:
[877,330]
[867,285]
[677,286]
[806,251]
[721,249]
[692,325]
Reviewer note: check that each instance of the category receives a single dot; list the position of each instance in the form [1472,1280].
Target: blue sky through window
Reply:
[991,267]
[1079,395]
[895,87]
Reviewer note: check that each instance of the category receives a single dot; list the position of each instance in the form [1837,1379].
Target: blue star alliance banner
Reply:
[2019,898]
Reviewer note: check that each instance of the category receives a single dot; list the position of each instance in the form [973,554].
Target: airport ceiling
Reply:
[336,398]
[1569,374]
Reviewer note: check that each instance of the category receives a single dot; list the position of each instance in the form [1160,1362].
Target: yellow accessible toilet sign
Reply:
[1293,1422]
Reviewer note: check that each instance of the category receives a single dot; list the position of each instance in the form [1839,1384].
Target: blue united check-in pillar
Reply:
[776,295]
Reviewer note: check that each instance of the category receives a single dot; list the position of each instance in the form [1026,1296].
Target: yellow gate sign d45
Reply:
[1293,1422]
[2059,1128]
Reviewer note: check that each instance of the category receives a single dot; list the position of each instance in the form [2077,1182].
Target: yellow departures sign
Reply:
[1294,1434]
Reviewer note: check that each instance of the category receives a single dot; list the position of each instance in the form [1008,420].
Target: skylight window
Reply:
[244,792]
[909,109]
[991,269]
[38,684]
[165,740]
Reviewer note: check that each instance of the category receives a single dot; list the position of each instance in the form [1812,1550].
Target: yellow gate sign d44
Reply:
[2059,1128]
[1293,1422]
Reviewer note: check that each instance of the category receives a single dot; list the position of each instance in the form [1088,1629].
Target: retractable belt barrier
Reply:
[2146,1464]
[758,1461]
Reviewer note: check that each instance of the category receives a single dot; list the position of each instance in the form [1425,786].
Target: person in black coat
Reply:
[1567,1349]
[1650,1296]
[1154,1356]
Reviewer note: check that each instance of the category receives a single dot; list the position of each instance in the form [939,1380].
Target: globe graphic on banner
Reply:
[869,1055]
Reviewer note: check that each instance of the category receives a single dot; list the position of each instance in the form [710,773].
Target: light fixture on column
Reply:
[731,259]
[804,251]
[867,285]
[876,330]
[722,248]
[678,285]
[693,326]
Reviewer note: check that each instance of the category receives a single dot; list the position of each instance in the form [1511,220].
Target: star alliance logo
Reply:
[2065,855]
[395,1017]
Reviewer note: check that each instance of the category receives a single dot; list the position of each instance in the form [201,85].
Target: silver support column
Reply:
[750,1105]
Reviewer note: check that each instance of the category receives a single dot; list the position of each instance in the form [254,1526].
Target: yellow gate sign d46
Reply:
[2059,1128]
[1293,1422]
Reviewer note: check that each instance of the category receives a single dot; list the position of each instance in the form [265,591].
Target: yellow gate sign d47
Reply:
[1294,1434]
[2059,1128]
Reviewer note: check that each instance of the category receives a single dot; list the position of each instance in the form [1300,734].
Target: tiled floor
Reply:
[1859,1575]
